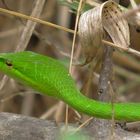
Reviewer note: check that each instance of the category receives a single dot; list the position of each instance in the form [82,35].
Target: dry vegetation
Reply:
[56,43]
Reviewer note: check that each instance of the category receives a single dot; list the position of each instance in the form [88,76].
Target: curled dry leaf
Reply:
[94,23]
[91,32]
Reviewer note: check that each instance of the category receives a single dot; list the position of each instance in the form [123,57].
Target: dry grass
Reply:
[51,39]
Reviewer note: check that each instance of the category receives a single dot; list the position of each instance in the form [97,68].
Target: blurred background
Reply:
[46,40]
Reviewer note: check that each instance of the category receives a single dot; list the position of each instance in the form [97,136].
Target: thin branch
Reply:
[132,51]
[35,20]
[83,124]
[105,74]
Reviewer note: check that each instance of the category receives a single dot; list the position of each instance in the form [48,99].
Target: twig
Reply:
[3,81]
[128,74]
[75,33]
[8,98]
[83,124]
[10,32]
[132,51]
[60,112]
[126,60]
[30,26]
[28,103]
[49,112]
[35,20]
[133,125]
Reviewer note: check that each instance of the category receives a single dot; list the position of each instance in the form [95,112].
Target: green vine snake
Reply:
[50,77]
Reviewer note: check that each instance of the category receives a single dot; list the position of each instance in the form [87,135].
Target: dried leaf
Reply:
[118,30]
[94,23]
[91,32]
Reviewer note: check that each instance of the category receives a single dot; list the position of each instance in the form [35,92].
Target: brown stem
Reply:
[105,74]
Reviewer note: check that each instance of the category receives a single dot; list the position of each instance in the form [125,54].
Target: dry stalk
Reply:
[34,19]
[49,112]
[75,33]
[133,3]
[60,112]
[30,26]
[10,32]
[83,124]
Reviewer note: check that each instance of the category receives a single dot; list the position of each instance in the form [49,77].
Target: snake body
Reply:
[50,77]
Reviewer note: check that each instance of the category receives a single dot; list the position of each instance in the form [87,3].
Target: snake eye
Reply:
[8,63]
